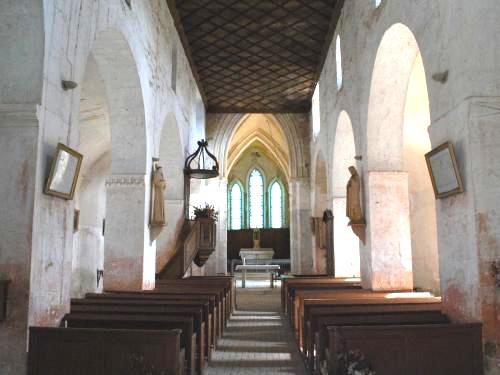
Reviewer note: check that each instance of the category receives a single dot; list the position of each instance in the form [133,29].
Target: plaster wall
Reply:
[450,35]
[21,71]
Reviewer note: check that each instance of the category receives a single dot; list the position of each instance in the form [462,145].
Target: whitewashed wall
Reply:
[48,41]
[459,37]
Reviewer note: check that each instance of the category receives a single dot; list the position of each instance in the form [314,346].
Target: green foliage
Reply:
[206,212]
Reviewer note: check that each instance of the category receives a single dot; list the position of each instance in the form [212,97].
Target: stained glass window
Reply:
[276,203]
[236,207]
[256,199]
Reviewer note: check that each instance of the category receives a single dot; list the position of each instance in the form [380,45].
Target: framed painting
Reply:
[443,169]
[64,173]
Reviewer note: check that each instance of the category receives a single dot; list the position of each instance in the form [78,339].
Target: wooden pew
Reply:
[103,351]
[150,306]
[166,310]
[183,287]
[361,299]
[447,349]
[319,287]
[230,282]
[334,295]
[217,286]
[315,346]
[141,322]
[291,282]
[157,296]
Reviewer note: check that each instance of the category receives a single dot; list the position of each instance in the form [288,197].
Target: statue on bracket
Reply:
[353,207]
[158,185]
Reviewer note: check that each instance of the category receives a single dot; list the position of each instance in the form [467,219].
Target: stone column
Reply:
[18,155]
[388,264]
[345,242]
[129,260]
[301,249]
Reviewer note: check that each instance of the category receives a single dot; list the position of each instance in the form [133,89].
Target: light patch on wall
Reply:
[338,59]
[173,79]
[316,114]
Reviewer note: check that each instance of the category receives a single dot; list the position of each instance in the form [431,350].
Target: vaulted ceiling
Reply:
[256,55]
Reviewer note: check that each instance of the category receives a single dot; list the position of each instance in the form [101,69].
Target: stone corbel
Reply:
[359,229]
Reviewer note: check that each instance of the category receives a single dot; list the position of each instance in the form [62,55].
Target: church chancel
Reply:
[260,260]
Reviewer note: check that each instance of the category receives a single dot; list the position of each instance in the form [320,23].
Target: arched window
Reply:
[256,199]
[316,114]
[236,207]
[276,205]
[339,63]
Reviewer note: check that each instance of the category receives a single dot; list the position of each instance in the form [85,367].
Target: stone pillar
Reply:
[389,263]
[215,193]
[129,260]
[18,155]
[468,231]
[345,242]
[301,249]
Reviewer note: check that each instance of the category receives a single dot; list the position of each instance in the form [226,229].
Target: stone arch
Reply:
[90,198]
[395,180]
[119,71]
[129,261]
[172,157]
[320,204]
[221,128]
[346,244]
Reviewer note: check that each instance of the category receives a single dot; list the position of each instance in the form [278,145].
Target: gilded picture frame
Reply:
[64,172]
[443,170]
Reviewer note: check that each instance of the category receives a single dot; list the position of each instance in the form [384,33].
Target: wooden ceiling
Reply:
[260,56]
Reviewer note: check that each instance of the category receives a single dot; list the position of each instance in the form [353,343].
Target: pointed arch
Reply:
[277,203]
[236,205]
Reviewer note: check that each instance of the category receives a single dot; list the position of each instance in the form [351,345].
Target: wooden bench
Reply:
[103,351]
[229,279]
[271,268]
[290,282]
[447,349]
[319,287]
[142,322]
[197,289]
[221,286]
[152,307]
[315,346]
[194,312]
[361,299]
[171,295]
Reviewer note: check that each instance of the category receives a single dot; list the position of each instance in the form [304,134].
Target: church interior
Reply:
[218,187]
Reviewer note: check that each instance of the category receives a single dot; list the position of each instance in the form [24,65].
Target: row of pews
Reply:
[338,326]
[172,330]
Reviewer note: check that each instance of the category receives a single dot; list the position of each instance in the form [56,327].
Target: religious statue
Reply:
[256,238]
[158,202]
[353,206]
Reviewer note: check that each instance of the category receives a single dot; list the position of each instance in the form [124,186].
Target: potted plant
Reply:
[205,212]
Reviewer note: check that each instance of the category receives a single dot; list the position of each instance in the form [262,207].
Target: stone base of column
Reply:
[389,243]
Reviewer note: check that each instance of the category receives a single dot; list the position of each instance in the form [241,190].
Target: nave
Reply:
[258,339]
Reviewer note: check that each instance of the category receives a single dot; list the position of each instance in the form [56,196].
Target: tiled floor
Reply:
[257,340]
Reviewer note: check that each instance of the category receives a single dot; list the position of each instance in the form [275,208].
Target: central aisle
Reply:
[257,340]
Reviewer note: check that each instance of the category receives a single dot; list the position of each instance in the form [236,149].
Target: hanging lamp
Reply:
[201,164]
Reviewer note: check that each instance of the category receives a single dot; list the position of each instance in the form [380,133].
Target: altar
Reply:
[256,254]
